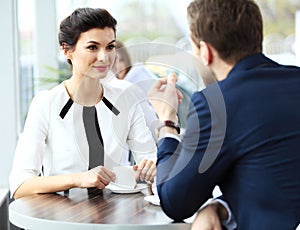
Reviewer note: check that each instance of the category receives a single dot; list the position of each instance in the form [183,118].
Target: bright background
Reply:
[31,59]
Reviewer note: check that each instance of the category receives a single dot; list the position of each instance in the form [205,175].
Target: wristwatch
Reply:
[169,123]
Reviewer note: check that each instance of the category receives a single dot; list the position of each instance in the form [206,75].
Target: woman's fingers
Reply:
[146,170]
[104,176]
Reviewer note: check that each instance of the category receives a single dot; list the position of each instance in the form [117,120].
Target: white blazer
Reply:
[60,145]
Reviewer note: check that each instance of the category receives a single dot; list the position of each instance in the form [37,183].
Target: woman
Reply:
[83,114]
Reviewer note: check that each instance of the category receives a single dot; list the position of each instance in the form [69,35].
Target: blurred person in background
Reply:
[124,69]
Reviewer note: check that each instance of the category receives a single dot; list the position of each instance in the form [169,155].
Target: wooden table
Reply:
[80,210]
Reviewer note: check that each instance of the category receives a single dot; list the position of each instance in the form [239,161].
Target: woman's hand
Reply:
[98,177]
[146,171]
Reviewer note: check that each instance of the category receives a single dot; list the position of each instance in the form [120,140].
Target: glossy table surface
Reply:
[98,210]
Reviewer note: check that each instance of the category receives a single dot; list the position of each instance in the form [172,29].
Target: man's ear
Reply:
[205,53]
[195,48]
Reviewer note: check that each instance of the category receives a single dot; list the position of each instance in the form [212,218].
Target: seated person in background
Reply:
[242,133]
[75,133]
[124,69]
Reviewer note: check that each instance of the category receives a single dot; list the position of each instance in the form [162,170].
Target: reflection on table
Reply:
[98,210]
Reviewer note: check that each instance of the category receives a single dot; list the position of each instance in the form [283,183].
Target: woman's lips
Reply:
[101,68]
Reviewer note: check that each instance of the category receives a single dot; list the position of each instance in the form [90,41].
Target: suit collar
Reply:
[252,61]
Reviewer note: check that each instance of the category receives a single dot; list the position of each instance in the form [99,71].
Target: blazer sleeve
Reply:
[31,144]
[187,172]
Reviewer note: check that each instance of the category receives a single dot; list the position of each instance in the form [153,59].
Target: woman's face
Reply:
[94,53]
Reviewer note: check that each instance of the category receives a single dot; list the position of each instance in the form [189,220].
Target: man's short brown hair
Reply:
[233,27]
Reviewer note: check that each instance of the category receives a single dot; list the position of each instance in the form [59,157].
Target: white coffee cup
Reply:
[125,176]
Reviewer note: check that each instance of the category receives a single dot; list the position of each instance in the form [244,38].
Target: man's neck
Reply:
[221,69]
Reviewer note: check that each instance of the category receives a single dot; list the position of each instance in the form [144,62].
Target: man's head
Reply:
[233,28]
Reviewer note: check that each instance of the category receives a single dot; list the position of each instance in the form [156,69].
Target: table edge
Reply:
[23,221]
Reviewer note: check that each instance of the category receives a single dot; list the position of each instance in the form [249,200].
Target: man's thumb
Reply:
[172,78]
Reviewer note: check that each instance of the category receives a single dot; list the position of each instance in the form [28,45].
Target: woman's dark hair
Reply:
[82,20]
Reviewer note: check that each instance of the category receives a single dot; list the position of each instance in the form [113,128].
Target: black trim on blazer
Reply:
[70,102]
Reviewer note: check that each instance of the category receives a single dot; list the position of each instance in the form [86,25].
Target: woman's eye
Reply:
[92,47]
[111,47]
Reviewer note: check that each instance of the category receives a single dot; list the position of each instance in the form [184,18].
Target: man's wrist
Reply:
[171,115]
[170,124]
[221,210]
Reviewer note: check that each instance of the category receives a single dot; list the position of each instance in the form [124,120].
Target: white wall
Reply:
[8,90]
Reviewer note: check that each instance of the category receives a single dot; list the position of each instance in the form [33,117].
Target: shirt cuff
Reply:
[170,135]
[230,223]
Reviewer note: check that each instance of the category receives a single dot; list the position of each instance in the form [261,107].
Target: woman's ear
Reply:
[205,53]
[67,53]
[67,50]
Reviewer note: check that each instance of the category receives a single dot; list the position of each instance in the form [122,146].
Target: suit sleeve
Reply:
[187,172]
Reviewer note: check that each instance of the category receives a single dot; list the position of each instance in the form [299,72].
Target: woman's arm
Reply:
[97,177]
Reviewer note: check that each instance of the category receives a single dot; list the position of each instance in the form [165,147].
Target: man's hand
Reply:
[207,219]
[164,98]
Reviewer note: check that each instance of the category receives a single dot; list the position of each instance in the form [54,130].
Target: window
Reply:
[161,21]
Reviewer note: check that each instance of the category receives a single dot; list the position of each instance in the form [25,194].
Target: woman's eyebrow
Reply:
[111,42]
[97,43]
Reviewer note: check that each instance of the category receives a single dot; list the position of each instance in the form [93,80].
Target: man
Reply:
[242,133]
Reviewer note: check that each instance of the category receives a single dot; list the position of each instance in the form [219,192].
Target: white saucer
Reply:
[153,199]
[117,189]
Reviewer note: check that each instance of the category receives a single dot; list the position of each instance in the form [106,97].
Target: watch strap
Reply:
[171,124]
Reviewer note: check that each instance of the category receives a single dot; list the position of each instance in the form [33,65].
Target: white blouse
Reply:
[59,145]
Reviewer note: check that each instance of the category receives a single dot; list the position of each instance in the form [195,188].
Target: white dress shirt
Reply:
[59,145]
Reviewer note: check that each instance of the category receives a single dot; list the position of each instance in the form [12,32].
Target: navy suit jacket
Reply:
[243,134]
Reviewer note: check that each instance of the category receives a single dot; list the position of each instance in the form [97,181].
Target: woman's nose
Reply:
[101,56]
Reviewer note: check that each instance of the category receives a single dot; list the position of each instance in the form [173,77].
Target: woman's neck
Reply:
[85,91]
